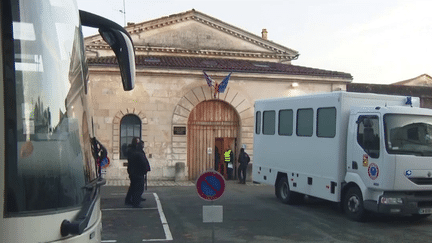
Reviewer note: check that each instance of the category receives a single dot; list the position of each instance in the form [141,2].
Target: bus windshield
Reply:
[408,134]
[48,153]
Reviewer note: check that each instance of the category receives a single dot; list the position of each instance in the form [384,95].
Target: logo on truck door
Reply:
[365,160]
[373,171]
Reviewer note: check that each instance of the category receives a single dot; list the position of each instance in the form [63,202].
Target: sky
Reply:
[376,41]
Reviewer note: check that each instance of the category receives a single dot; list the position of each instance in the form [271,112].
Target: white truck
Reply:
[369,152]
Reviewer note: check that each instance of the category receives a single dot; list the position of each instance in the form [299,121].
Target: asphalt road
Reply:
[251,213]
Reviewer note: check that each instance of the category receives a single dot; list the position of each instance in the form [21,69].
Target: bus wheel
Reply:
[285,194]
[353,204]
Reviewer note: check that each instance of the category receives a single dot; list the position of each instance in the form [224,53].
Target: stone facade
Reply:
[172,53]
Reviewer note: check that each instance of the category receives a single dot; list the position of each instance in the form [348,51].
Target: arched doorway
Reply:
[212,123]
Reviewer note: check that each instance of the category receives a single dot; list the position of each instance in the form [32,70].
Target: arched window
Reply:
[130,127]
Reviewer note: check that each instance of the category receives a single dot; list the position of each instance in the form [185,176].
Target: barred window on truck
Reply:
[326,122]
[269,121]
[286,122]
[258,122]
[305,122]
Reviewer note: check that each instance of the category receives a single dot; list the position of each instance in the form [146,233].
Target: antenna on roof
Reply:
[123,12]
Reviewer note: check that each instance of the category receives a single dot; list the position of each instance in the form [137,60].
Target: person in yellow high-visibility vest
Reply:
[229,159]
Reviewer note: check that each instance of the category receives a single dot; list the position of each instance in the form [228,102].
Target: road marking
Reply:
[124,193]
[126,209]
[165,225]
[168,235]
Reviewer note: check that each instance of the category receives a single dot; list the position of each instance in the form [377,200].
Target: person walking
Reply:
[229,159]
[217,158]
[138,166]
[243,163]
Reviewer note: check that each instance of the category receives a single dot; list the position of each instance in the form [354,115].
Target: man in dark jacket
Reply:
[217,159]
[243,163]
[138,166]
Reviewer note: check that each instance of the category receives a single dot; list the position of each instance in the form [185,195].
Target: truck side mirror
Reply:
[119,40]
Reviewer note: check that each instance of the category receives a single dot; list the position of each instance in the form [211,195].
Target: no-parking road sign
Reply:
[210,185]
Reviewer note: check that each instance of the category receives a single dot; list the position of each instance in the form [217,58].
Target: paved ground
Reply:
[173,212]
[162,183]
[150,183]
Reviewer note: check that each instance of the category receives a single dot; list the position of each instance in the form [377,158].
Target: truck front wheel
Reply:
[284,193]
[353,204]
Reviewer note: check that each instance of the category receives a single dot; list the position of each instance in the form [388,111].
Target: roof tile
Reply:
[214,64]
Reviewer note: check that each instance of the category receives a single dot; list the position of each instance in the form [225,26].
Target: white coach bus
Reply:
[49,179]
[370,152]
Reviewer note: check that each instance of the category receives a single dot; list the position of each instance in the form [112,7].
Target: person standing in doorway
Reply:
[138,166]
[229,159]
[217,159]
[243,163]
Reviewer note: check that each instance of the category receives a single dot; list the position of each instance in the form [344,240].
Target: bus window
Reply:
[47,161]
[285,122]
[305,122]
[326,122]
[269,122]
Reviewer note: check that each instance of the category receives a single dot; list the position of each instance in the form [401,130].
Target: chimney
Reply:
[264,34]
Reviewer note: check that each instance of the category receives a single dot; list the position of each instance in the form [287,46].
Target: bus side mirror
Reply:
[119,40]
[124,51]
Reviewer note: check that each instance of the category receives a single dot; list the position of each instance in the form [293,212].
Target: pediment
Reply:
[194,32]
[192,35]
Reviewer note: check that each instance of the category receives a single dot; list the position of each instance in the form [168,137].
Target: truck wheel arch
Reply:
[352,179]
[283,192]
[345,189]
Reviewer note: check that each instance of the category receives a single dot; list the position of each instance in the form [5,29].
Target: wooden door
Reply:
[207,121]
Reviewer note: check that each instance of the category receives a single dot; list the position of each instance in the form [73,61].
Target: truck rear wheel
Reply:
[284,193]
[353,204]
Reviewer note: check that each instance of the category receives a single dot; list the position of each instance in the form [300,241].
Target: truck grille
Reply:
[421,181]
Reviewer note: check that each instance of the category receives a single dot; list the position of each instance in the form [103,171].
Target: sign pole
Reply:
[213,223]
[210,187]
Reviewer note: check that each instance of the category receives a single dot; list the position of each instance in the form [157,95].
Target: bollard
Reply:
[179,172]
[249,172]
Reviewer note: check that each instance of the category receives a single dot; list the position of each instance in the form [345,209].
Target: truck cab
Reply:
[389,149]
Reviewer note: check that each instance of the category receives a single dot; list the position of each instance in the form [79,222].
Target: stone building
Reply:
[172,108]
[424,80]
[420,86]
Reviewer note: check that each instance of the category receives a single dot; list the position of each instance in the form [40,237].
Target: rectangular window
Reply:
[258,122]
[326,122]
[285,122]
[305,122]
[269,121]
[368,134]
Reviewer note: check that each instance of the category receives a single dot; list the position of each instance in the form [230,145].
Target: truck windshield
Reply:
[408,134]
[48,151]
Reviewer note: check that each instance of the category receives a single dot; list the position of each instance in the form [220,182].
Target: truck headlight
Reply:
[391,200]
